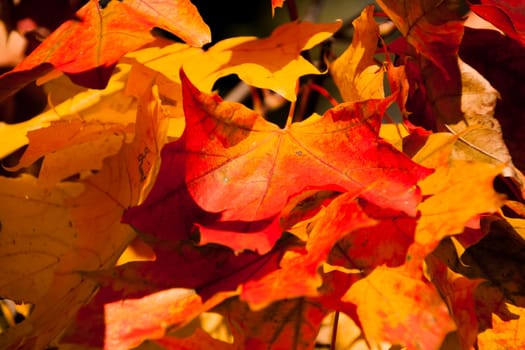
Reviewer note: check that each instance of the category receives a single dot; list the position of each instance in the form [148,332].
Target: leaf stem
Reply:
[334,330]
[291,111]
[324,93]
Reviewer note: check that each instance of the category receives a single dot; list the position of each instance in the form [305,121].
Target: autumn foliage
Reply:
[140,201]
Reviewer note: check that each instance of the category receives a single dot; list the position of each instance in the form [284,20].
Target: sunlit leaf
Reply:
[504,334]
[86,234]
[254,167]
[298,274]
[166,309]
[83,106]
[400,309]
[356,74]
[89,53]
[456,192]
[255,60]
[252,59]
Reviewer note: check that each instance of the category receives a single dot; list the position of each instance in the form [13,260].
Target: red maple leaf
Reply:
[246,168]
[90,50]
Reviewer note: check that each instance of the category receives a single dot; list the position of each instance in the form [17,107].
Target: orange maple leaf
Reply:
[298,275]
[400,309]
[89,52]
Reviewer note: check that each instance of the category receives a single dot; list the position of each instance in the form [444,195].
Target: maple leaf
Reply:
[114,323]
[456,192]
[90,53]
[89,236]
[253,166]
[32,251]
[298,275]
[434,29]
[356,74]
[252,59]
[255,62]
[89,134]
[85,104]
[397,308]
[505,15]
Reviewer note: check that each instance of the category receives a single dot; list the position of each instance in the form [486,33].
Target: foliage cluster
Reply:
[141,201]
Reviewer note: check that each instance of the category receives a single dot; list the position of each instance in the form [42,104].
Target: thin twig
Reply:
[334,330]
[324,92]
[310,97]
[291,112]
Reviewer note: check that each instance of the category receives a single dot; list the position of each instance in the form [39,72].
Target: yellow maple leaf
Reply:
[84,103]
[273,63]
[356,74]
[73,227]
[455,193]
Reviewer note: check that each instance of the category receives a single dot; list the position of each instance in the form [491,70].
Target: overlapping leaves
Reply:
[89,53]
[270,227]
